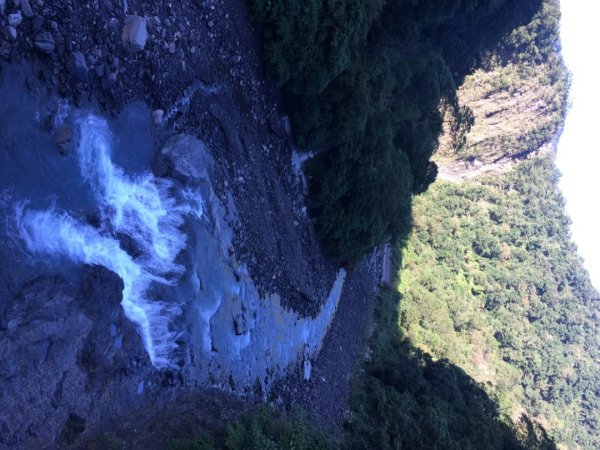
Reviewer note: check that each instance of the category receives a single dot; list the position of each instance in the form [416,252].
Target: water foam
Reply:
[147,209]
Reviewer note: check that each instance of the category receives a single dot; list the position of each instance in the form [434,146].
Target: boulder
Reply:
[287,126]
[76,65]
[44,42]
[15,19]
[134,33]
[185,158]
[109,81]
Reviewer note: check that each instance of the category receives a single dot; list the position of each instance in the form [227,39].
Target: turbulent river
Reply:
[169,240]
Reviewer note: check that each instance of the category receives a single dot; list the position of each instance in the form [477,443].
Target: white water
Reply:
[204,288]
[140,207]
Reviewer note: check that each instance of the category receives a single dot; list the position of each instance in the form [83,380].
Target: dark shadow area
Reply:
[407,400]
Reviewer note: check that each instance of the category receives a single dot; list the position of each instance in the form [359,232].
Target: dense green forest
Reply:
[492,282]
[367,83]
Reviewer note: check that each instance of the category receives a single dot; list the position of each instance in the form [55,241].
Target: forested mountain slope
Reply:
[490,278]
[363,81]
[492,282]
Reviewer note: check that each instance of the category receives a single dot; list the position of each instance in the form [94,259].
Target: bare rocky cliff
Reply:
[518,105]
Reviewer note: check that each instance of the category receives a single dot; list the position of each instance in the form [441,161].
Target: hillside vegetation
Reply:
[492,282]
[364,81]
[490,279]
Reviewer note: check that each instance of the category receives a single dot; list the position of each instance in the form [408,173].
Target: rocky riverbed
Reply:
[196,65]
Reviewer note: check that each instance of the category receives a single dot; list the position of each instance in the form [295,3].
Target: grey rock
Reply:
[11,32]
[134,33]
[76,65]
[44,42]
[15,19]
[157,116]
[26,8]
[184,157]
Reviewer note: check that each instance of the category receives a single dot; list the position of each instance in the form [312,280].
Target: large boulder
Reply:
[134,33]
[184,157]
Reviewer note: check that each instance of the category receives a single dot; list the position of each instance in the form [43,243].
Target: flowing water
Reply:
[194,305]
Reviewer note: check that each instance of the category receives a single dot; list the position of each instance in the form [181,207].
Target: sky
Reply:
[579,146]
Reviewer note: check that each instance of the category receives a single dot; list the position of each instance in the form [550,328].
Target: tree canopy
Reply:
[363,81]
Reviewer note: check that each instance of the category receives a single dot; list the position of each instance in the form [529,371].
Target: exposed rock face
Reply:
[44,331]
[58,352]
[134,33]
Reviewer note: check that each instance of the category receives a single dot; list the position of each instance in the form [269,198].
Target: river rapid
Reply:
[169,239]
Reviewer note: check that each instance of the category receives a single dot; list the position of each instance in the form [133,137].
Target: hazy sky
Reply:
[579,147]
